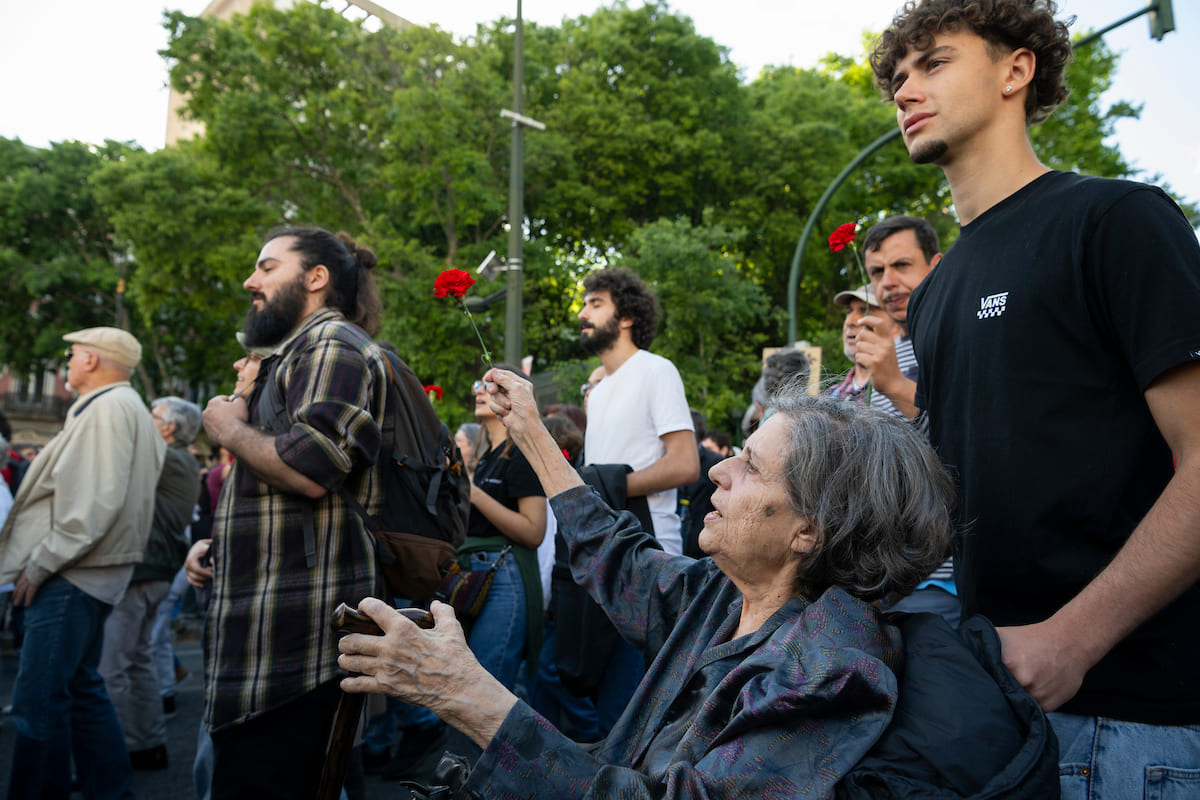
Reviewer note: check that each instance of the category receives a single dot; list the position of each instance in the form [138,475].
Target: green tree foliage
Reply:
[192,229]
[394,136]
[640,111]
[1073,138]
[656,155]
[286,98]
[715,318]
[58,263]
[804,126]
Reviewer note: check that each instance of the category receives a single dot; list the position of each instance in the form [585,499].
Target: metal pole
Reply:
[515,266]
[794,275]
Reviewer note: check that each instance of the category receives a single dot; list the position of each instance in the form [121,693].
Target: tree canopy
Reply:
[656,157]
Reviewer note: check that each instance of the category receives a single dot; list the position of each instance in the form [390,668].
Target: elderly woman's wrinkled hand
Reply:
[513,401]
[423,667]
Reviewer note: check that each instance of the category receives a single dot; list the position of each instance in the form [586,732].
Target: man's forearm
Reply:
[658,477]
[903,394]
[256,450]
[679,466]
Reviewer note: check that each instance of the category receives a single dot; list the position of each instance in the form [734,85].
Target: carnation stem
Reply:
[487,356]
[862,273]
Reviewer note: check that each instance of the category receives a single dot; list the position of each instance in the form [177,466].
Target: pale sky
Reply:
[89,69]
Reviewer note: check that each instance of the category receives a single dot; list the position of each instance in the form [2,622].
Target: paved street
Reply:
[174,783]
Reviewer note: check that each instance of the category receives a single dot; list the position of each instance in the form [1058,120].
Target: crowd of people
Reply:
[966,568]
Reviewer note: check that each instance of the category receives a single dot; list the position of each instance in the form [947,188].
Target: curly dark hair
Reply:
[1005,25]
[873,489]
[633,298]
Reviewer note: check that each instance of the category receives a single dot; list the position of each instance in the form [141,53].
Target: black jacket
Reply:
[963,726]
[585,643]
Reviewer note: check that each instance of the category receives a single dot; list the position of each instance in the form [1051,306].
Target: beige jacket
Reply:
[88,498]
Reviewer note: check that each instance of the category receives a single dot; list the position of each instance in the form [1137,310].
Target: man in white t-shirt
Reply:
[638,414]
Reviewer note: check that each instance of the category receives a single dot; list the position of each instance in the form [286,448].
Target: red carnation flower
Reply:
[452,282]
[455,283]
[841,237]
[434,391]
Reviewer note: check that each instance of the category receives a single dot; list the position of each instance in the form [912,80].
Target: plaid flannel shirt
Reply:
[268,638]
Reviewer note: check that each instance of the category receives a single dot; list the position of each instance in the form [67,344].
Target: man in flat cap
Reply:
[78,525]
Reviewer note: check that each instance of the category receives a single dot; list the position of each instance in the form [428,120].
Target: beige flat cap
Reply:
[116,344]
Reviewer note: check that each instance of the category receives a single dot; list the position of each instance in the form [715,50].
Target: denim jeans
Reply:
[1101,758]
[574,716]
[498,634]
[202,767]
[161,648]
[59,701]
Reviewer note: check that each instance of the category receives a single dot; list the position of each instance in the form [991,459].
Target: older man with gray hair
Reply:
[127,660]
[78,525]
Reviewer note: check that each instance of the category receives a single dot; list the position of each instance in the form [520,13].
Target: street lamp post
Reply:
[515,266]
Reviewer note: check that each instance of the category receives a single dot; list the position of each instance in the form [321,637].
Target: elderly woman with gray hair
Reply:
[770,669]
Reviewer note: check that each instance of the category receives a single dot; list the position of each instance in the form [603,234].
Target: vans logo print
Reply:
[992,306]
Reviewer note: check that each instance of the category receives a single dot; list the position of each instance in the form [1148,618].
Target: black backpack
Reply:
[424,483]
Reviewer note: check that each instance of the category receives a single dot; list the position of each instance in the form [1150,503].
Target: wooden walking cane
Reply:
[350,706]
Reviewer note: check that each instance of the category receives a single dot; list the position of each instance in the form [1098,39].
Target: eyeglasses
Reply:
[69,353]
[477,387]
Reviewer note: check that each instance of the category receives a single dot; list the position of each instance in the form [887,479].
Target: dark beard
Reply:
[602,338]
[931,153]
[268,326]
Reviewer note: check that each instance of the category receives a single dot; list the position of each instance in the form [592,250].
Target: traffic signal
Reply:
[1162,18]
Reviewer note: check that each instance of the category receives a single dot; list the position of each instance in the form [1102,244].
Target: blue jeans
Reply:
[498,634]
[1101,758]
[161,648]
[202,767]
[574,716]
[59,701]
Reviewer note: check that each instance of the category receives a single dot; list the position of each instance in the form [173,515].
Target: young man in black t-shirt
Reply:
[1058,342]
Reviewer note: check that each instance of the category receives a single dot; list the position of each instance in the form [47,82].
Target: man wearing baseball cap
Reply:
[858,304]
[78,525]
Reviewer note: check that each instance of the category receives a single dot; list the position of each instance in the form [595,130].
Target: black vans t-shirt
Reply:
[1037,335]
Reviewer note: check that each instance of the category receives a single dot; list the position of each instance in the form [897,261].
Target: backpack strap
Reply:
[369,522]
